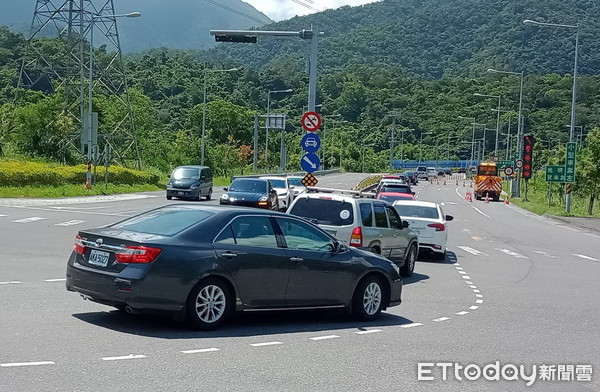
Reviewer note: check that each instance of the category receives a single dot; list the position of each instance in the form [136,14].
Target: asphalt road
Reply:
[515,288]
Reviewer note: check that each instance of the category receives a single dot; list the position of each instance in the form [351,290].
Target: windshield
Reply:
[185,174]
[395,188]
[295,181]
[393,198]
[166,221]
[421,168]
[278,183]
[416,211]
[249,185]
[324,211]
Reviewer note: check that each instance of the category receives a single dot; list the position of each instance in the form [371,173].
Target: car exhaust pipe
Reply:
[128,309]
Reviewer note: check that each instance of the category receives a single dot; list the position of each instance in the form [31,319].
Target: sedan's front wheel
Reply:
[209,304]
[368,299]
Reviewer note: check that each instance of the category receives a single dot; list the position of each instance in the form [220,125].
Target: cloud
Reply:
[285,9]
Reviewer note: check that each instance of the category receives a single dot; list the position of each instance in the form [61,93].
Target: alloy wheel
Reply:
[372,298]
[210,304]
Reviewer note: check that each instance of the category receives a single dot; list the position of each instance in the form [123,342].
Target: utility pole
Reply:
[392,143]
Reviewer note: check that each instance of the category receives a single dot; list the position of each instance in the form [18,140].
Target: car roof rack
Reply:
[316,189]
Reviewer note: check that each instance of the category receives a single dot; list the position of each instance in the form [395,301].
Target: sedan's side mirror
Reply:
[449,217]
[226,189]
[405,224]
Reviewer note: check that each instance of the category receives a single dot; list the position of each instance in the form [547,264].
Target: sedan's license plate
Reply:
[98,258]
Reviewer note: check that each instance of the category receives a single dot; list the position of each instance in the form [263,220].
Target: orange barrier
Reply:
[487,197]
[468,197]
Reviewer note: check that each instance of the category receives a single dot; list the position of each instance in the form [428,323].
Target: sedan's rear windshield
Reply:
[324,211]
[277,183]
[398,189]
[393,198]
[166,221]
[247,185]
[412,211]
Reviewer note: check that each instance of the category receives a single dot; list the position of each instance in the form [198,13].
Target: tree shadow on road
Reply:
[238,325]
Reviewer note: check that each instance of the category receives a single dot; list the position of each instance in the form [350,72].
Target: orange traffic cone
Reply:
[87,185]
[487,197]
[506,200]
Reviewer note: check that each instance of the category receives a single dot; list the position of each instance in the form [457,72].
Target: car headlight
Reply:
[224,196]
[264,198]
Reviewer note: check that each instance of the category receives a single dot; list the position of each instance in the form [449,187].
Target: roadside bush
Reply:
[18,173]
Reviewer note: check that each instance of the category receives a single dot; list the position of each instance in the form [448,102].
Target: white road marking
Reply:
[325,337]
[584,257]
[471,250]
[411,325]
[2,215]
[481,212]
[368,331]
[540,252]
[70,223]
[479,301]
[476,291]
[459,268]
[466,230]
[462,313]
[473,307]
[56,280]
[265,344]
[456,264]
[476,237]
[15,364]
[511,253]
[466,277]
[437,320]
[473,286]
[130,356]
[462,272]
[479,295]
[28,220]
[12,282]
[468,282]
[448,203]
[78,208]
[202,350]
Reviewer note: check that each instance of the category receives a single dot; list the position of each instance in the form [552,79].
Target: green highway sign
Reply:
[570,165]
[555,173]
[503,164]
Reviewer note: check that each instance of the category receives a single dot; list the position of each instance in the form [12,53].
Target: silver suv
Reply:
[364,223]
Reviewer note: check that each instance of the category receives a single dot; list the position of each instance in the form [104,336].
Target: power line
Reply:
[310,7]
[237,12]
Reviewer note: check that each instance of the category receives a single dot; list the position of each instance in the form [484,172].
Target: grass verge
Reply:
[74,190]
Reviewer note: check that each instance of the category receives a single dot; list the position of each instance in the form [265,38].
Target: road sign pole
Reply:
[255,158]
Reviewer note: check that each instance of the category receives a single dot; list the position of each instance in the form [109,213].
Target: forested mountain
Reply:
[434,38]
[179,24]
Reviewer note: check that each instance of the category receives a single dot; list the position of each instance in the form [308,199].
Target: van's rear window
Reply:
[166,221]
[324,211]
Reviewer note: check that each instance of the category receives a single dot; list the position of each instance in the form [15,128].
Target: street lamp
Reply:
[289,90]
[574,94]
[202,148]
[94,18]
[421,146]
[497,118]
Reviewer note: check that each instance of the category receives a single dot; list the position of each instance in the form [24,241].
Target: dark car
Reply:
[250,192]
[203,262]
[412,176]
[190,182]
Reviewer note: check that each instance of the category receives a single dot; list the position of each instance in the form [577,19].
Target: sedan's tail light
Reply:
[137,254]
[438,226]
[78,247]
[356,239]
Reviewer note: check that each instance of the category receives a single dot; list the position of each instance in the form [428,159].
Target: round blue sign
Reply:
[310,142]
[310,162]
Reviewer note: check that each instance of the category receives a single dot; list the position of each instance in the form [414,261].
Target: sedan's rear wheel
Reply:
[169,197]
[368,299]
[410,261]
[209,304]
[209,194]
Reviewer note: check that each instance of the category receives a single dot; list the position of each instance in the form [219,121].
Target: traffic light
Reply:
[236,38]
[527,156]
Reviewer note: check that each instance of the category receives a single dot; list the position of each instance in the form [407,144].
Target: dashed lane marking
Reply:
[11,282]
[29,220]
[265,344]
[479,301]
[471,250]
[124,357]
[368,331]
[466,277]
[437,320]
[473,307]
[476,237]
[584,257]
[202,350]
[479,295]
[411,325]
[16,364]
[325,337]
[462,313]
[462,272]
[56,280]
[541,252]
[511,253]
[70,223]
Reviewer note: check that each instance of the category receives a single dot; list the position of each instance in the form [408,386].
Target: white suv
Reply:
[369,224]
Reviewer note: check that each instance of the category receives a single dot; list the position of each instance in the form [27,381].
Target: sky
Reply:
[285,9]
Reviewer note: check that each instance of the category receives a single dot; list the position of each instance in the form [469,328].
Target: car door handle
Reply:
[228,254]
[296,259]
